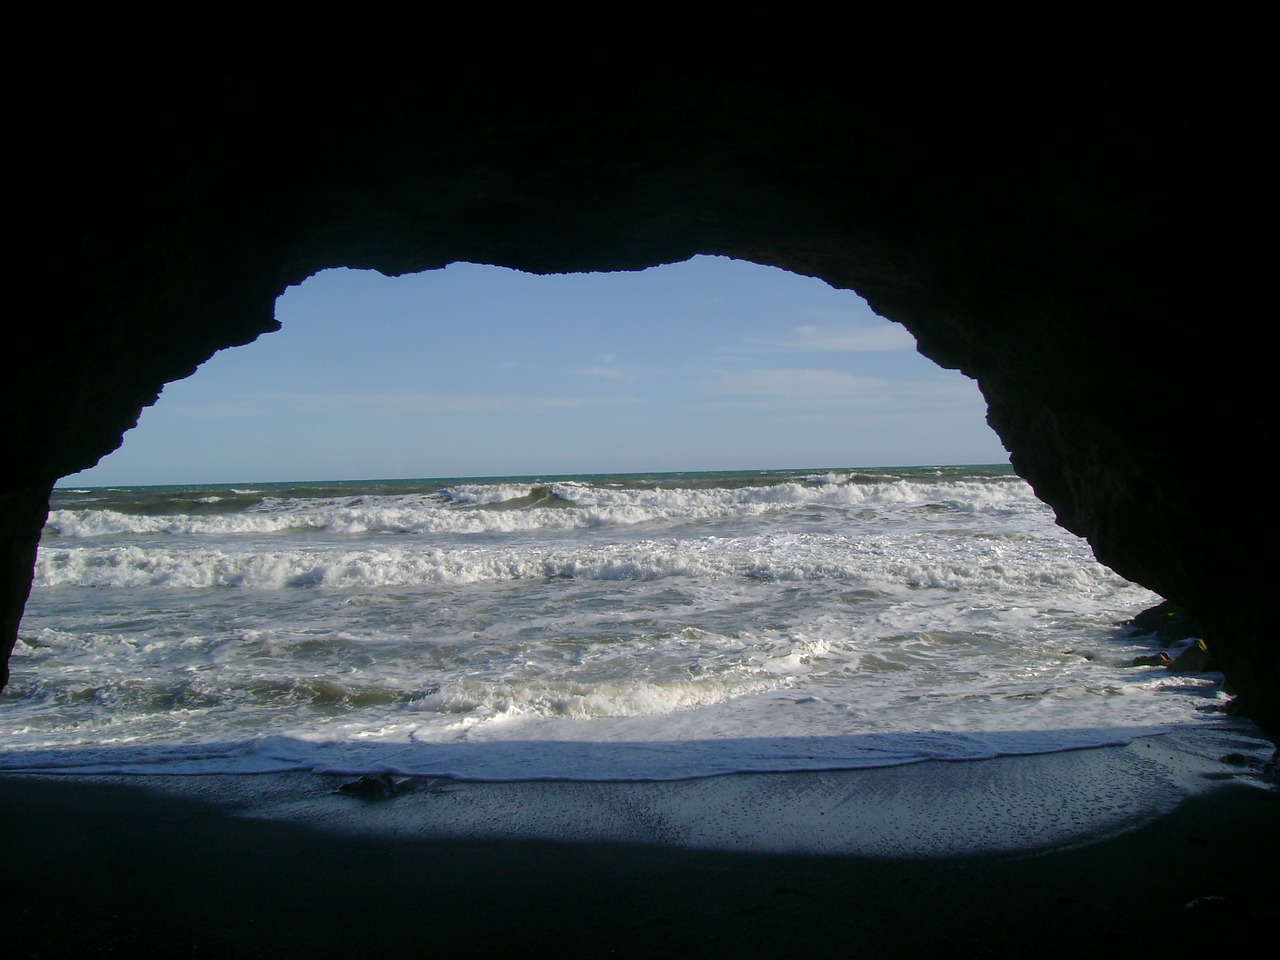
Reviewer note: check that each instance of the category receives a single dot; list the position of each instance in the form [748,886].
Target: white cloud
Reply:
[795,384]
[808,387]
[425,403]
[621,374]
[841,337]
[849,338]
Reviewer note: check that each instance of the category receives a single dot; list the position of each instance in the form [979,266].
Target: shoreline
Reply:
[1155,847]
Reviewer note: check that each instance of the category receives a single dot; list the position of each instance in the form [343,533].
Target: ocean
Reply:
[597,628]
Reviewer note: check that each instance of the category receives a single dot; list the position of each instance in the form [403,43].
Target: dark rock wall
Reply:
[1089,236]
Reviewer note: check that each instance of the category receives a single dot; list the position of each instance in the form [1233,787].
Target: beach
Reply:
[1160,847]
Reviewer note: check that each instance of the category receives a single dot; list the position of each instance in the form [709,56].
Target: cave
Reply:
[1089,242]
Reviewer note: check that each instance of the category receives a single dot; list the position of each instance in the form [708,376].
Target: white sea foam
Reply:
[941,562]
[461,509]
[589,628]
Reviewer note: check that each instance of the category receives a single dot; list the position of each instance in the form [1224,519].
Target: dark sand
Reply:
[1086,853]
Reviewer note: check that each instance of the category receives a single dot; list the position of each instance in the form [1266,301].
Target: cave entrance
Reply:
[727,519]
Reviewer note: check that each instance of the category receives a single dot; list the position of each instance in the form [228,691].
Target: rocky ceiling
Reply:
[1090,235]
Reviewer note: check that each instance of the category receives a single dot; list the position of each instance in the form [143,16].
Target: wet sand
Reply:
[1158,848]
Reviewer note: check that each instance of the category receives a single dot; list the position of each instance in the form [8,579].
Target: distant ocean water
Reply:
[650,626]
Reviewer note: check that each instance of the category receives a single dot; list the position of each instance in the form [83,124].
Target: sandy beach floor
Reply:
[1165,847]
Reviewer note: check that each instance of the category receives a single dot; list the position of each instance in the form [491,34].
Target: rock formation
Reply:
[1087,233]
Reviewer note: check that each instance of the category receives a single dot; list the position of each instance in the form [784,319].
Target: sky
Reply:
[470,371]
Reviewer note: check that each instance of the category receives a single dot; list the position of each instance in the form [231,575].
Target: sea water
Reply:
[598,627]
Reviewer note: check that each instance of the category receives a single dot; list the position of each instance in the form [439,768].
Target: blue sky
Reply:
[711,364]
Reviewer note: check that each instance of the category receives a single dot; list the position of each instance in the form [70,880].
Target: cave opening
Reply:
[708,517]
